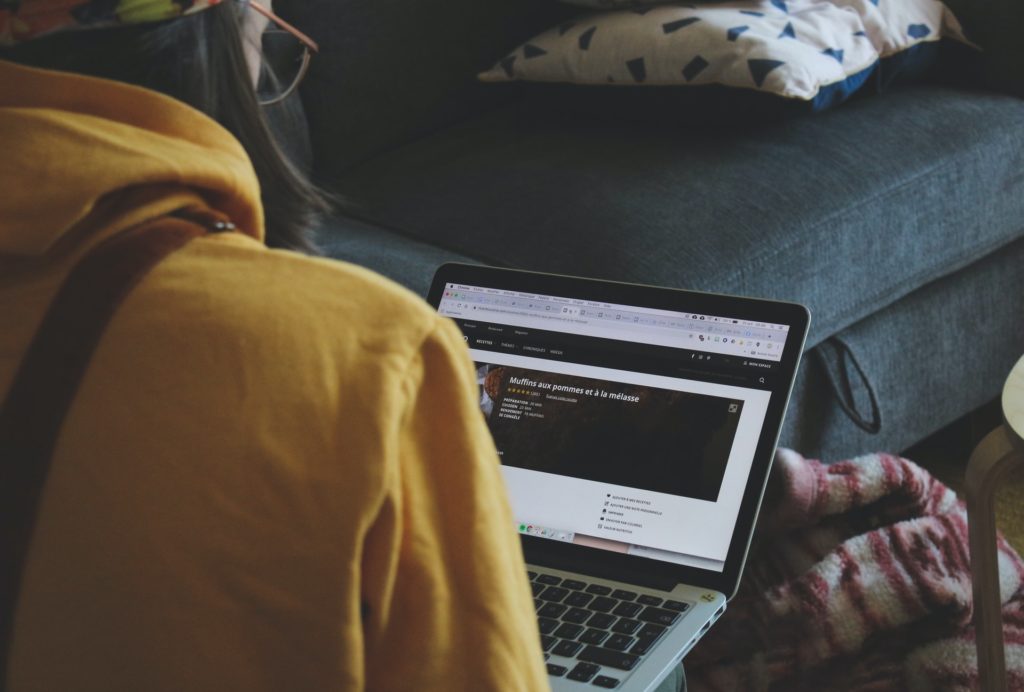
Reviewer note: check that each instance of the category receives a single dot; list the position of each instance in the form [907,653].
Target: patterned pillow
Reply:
[616,4]
[815,51]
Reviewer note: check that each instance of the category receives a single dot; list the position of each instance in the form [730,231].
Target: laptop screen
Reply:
[620,427]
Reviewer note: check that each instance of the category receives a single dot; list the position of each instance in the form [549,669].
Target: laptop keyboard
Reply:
[607,631]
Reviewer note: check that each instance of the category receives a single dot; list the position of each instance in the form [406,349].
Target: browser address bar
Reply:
[674,335]
[610,321]
[646,319]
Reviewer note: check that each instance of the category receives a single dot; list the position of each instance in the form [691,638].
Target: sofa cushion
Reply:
[928,358]
[845,211]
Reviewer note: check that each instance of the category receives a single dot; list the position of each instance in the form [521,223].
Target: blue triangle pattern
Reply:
[532,51]
[752,13]
[834,53]
[586,37]
[860,33]
[918,30]
[507,65]
[671,27]
[760,68]
[734,33]
[694,68]
[637,68]
[788,32]
[781,4]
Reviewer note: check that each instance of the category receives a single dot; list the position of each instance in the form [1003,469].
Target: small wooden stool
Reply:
[995,456]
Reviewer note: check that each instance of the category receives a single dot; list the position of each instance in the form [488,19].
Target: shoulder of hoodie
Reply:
[298,302]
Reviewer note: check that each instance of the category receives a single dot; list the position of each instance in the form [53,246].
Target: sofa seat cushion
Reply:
[916,358]
[845,212]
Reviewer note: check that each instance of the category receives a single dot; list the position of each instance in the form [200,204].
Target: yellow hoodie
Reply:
[275,475]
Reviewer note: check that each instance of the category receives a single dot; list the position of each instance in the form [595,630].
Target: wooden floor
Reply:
[945,455]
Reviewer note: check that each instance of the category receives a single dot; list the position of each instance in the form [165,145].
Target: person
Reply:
[274,474]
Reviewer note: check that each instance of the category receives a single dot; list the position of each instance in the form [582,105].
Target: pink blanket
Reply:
[858,579]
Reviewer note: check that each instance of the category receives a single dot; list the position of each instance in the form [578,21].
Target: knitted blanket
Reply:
[858,579]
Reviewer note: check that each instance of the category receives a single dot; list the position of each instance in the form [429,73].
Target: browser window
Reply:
[618,426]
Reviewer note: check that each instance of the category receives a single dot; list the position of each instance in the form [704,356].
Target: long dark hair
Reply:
[199,59]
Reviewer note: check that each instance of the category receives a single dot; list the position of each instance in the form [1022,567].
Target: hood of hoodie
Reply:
[76,148]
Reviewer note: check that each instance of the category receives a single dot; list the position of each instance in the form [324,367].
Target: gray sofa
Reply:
[898,218]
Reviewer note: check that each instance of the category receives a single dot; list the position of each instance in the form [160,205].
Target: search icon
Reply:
[761,380]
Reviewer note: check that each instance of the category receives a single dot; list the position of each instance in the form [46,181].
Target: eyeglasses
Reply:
[286,53]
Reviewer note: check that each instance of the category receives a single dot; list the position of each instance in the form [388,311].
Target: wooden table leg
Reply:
[994,456]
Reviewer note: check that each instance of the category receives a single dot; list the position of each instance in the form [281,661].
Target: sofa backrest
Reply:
[391,70]
[995,25]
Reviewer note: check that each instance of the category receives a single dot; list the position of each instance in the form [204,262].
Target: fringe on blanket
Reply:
[858,580]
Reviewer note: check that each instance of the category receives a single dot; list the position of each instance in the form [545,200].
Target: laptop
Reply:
[636,427]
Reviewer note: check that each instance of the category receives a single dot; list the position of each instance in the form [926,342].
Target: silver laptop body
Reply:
[636,427]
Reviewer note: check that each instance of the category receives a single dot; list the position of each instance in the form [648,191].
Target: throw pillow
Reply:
[815,51]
